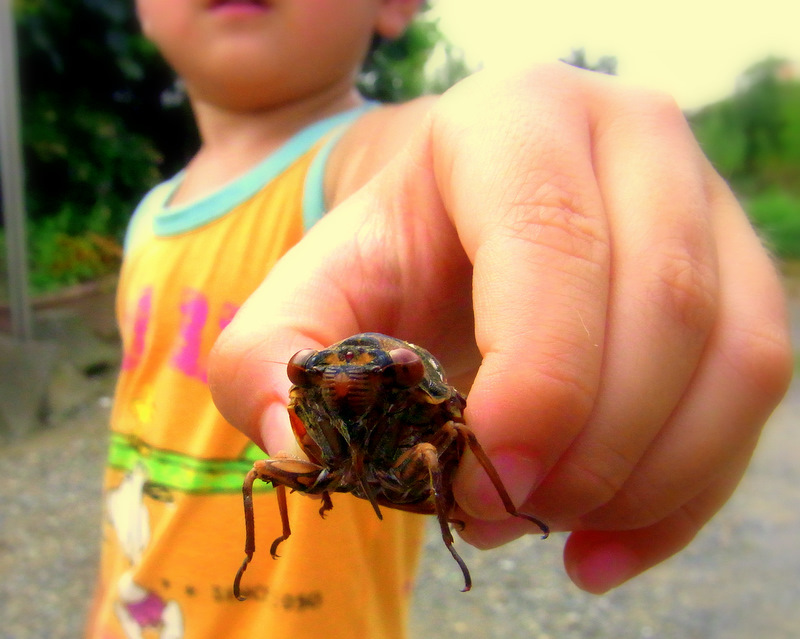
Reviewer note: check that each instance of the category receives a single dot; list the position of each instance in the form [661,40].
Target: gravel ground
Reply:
[737,580]
[50,526]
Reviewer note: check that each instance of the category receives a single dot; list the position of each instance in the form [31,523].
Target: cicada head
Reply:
[355,375]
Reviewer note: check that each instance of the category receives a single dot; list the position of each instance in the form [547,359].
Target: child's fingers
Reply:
[600,560]
[745,370]
[654,341]
[532,221]
[663,301]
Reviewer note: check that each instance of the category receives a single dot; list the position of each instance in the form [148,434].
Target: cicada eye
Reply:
[296,368]
[406,368]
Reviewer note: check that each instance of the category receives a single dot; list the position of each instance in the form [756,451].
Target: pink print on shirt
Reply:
[189,356]
[194,309]
[135,347]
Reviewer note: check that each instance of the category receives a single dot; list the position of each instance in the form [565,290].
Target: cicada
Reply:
[376,418]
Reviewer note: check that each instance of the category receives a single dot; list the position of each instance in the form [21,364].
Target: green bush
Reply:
[776,214]
[753,136]
[398,70]
[103,120]
[98,129]
[61,256]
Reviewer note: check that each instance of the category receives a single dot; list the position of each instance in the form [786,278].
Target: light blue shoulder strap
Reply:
[155,212]
[314,206]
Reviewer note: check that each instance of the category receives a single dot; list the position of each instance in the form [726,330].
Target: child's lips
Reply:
[240,6]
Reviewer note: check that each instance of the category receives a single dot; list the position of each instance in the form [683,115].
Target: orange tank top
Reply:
[174,531]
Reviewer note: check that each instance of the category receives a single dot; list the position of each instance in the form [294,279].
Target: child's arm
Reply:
[559,238]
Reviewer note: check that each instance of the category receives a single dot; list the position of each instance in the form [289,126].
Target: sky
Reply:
[693,49]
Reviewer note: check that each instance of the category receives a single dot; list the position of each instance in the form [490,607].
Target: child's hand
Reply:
[559,238]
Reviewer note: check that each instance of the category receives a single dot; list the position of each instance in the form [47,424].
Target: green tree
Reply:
[759,113]
[753,137]
[398,70]
[606,64]
[104,119]
[95,127]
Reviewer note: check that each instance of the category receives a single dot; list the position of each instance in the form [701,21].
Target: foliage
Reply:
[760,118]
[753,137]
[776,214]
[753,140]
[104,120]
[605,64]
[96,130]
[61,258]
[94,127]
[398,70]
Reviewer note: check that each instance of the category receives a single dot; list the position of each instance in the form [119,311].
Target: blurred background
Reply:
[102,119]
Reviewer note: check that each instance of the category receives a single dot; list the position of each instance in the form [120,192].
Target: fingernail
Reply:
[519,474]
[605,568]
[491,534]
[276,434]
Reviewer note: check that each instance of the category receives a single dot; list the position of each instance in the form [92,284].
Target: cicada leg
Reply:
[280,492]
[426,455]
[250,530]
[483,459]
[327,504]
[281,471]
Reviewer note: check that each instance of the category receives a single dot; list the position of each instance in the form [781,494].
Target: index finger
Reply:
[532,222]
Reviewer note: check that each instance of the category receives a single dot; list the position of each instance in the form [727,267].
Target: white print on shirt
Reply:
[137,608]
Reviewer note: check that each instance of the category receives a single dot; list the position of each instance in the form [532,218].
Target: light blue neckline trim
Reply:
[173,220]
[152,203]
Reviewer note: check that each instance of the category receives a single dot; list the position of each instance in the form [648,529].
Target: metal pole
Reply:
[11,174]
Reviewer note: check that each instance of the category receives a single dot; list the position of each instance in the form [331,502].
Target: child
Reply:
[553,235]
[198,245]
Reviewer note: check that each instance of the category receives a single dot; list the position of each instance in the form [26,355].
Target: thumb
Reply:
[374,263]
[300,304]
